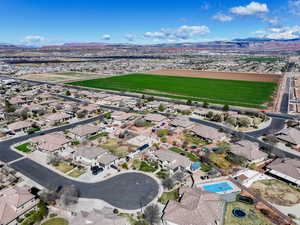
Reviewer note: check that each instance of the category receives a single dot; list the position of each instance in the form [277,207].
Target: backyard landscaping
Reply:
[117,147]
[166,196]
[144,166]
[191,139]
[24,148]
[253,216]
[56,221]
[219,160]
[276,192]
[189,155]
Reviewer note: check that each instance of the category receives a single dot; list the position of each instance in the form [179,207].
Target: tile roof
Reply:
[290,167]
[248,149]
[207,132]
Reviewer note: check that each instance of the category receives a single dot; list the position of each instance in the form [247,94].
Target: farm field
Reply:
[231,92]
[60,77]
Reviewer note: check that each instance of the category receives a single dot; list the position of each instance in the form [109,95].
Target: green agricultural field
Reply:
[231,92]
[261,59]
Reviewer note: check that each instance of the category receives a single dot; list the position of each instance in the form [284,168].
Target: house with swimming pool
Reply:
[196,207]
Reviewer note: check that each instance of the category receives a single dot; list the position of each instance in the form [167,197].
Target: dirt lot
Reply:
[220,75]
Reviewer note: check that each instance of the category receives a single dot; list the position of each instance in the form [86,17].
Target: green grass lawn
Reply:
[191,139]
[166,196]
[24,148]
[146,167]
[231,92]
[189,155]
[219,160]
[56,221]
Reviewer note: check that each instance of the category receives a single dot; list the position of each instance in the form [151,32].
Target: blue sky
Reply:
[45,22]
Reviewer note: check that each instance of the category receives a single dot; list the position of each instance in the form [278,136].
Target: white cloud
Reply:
[294,7]
[251,9]
[33,40]
[106,37]
[280,33]
[222,17]
[182,33]
[130,37]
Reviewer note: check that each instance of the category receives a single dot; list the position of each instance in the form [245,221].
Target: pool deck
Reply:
[233,189]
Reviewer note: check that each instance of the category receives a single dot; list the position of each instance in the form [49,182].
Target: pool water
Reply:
[218,187]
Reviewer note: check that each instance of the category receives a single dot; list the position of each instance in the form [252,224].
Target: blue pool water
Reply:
[218,187]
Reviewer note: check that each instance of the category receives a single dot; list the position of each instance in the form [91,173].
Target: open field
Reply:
[231,92]
[220,75]
[61,77]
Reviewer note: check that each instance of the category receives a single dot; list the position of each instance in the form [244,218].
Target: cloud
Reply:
[280,32]
[251,9]
[34,40]
[222,17]
[294,7]
[272,21]
[106,37]
[182,33]
[130,37]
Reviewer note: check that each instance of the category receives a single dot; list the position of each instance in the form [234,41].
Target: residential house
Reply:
[289,136]
[249,150]
[80,133]
[207,133]
[14,203]
[94,156]
[121,116]
[155,118]
[58,117]
[286,169]
[52,142]
[99,217]
[182,122]
[90,108]
[195,207]
[19,126]
[173,160]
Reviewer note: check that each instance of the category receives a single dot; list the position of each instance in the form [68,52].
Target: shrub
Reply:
[53,215]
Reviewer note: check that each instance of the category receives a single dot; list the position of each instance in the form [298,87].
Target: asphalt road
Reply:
[128,191]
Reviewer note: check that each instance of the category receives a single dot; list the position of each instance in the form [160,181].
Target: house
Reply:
[50,142]
[14,203]
[182,108]
[58,117]
[90,108]
[249,150]
[289,136]
[94,156]
[195,207]
[173,160]
[19,126]
[207,133]
[80,133]
[286,169]
[155,118]
[99,217]
[121,116]
[182,122]
[142,140]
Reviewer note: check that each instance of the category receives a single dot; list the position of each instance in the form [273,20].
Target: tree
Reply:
[152,214]
[226,108]
[168,183]
[205,104]
[49,197]
[210,114]
[161,107]
[24,113]
[244,122]
[223,148]
[68,195]
[68,93]
[217,117]
[8,106]
[81,113]
[189,102]
[231,121]
[179,176]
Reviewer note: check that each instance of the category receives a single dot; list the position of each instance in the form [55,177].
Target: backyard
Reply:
[276,192]
[253,216]
[56,221]
[219,160]
[166,196]
[189,155]
[233,92]
[117,147]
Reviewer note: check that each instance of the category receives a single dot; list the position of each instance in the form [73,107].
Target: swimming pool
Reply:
[218,187]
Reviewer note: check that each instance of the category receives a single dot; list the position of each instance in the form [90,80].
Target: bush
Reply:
[115,211]
[53,215]
[125,166]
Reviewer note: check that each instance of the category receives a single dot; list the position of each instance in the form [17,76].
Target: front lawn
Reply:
[166,196]
[219,160]
[189,155]
[64,167]
[24,147]
[56,221]
[76,173]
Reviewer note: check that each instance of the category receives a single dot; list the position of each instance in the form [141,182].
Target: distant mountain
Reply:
[254,39]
